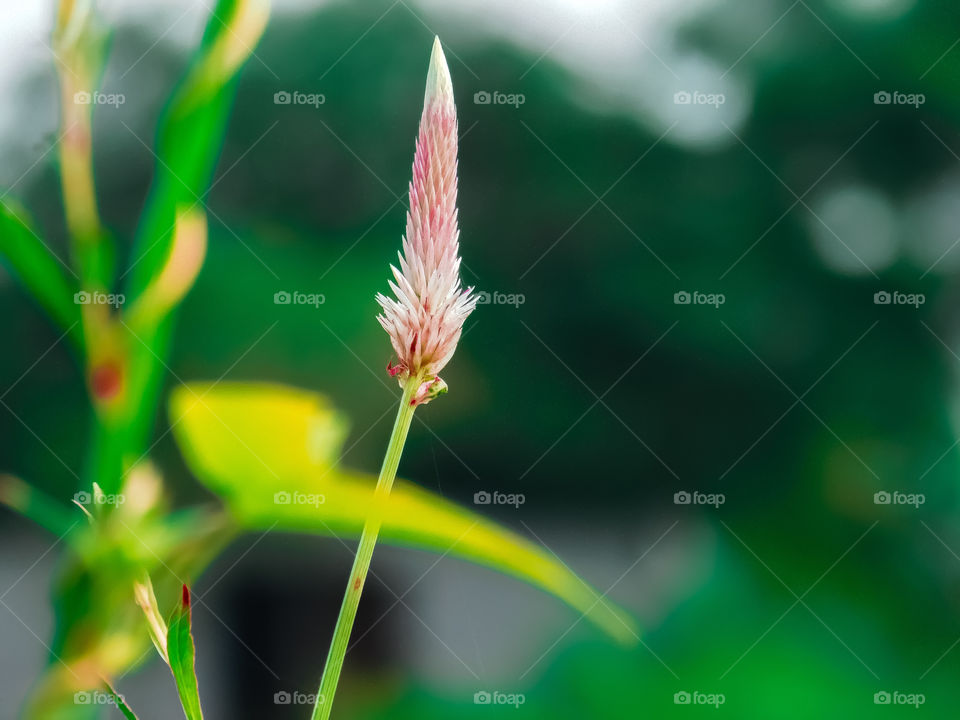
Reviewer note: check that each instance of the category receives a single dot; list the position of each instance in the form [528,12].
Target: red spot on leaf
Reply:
[106,380]
[356,584]
[186,596]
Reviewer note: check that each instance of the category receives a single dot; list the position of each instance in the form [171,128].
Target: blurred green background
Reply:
[786,184]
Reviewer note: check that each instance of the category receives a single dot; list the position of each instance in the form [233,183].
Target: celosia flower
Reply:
[426,317]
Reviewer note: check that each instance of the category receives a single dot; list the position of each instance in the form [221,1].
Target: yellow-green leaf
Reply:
[271,453]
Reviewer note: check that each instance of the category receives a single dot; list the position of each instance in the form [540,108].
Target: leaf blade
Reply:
[270,452]
[120,702]
[182,654]
[40,271]
[191,131]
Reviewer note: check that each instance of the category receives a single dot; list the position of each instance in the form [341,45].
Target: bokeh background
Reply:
[786,185]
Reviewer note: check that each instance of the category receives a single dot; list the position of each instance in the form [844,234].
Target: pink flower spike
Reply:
[425,317]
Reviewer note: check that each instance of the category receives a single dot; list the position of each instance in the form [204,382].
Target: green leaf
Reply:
[181,652]
[120,702]
[36,505]
[271,452]
[192,130]
[80,41]
[38,268]
[189,140]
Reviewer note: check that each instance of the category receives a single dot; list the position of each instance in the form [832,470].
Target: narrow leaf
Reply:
[189,139]
[191,132]
[120,702]
[181,652]
[41,272]
[36,505]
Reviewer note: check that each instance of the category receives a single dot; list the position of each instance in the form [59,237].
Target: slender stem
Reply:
[361,563]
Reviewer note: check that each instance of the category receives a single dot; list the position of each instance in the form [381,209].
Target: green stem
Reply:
[361,563]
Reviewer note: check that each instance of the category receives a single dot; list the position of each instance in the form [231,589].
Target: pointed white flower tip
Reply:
[439,86]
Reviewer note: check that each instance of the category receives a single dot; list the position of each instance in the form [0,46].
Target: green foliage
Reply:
[120,703]
[189,140]
[100,633]
[41,273]
[191,131]
[98,627]
[182,653]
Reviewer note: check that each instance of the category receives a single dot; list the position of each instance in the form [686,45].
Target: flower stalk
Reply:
[361,563]
[424,320]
